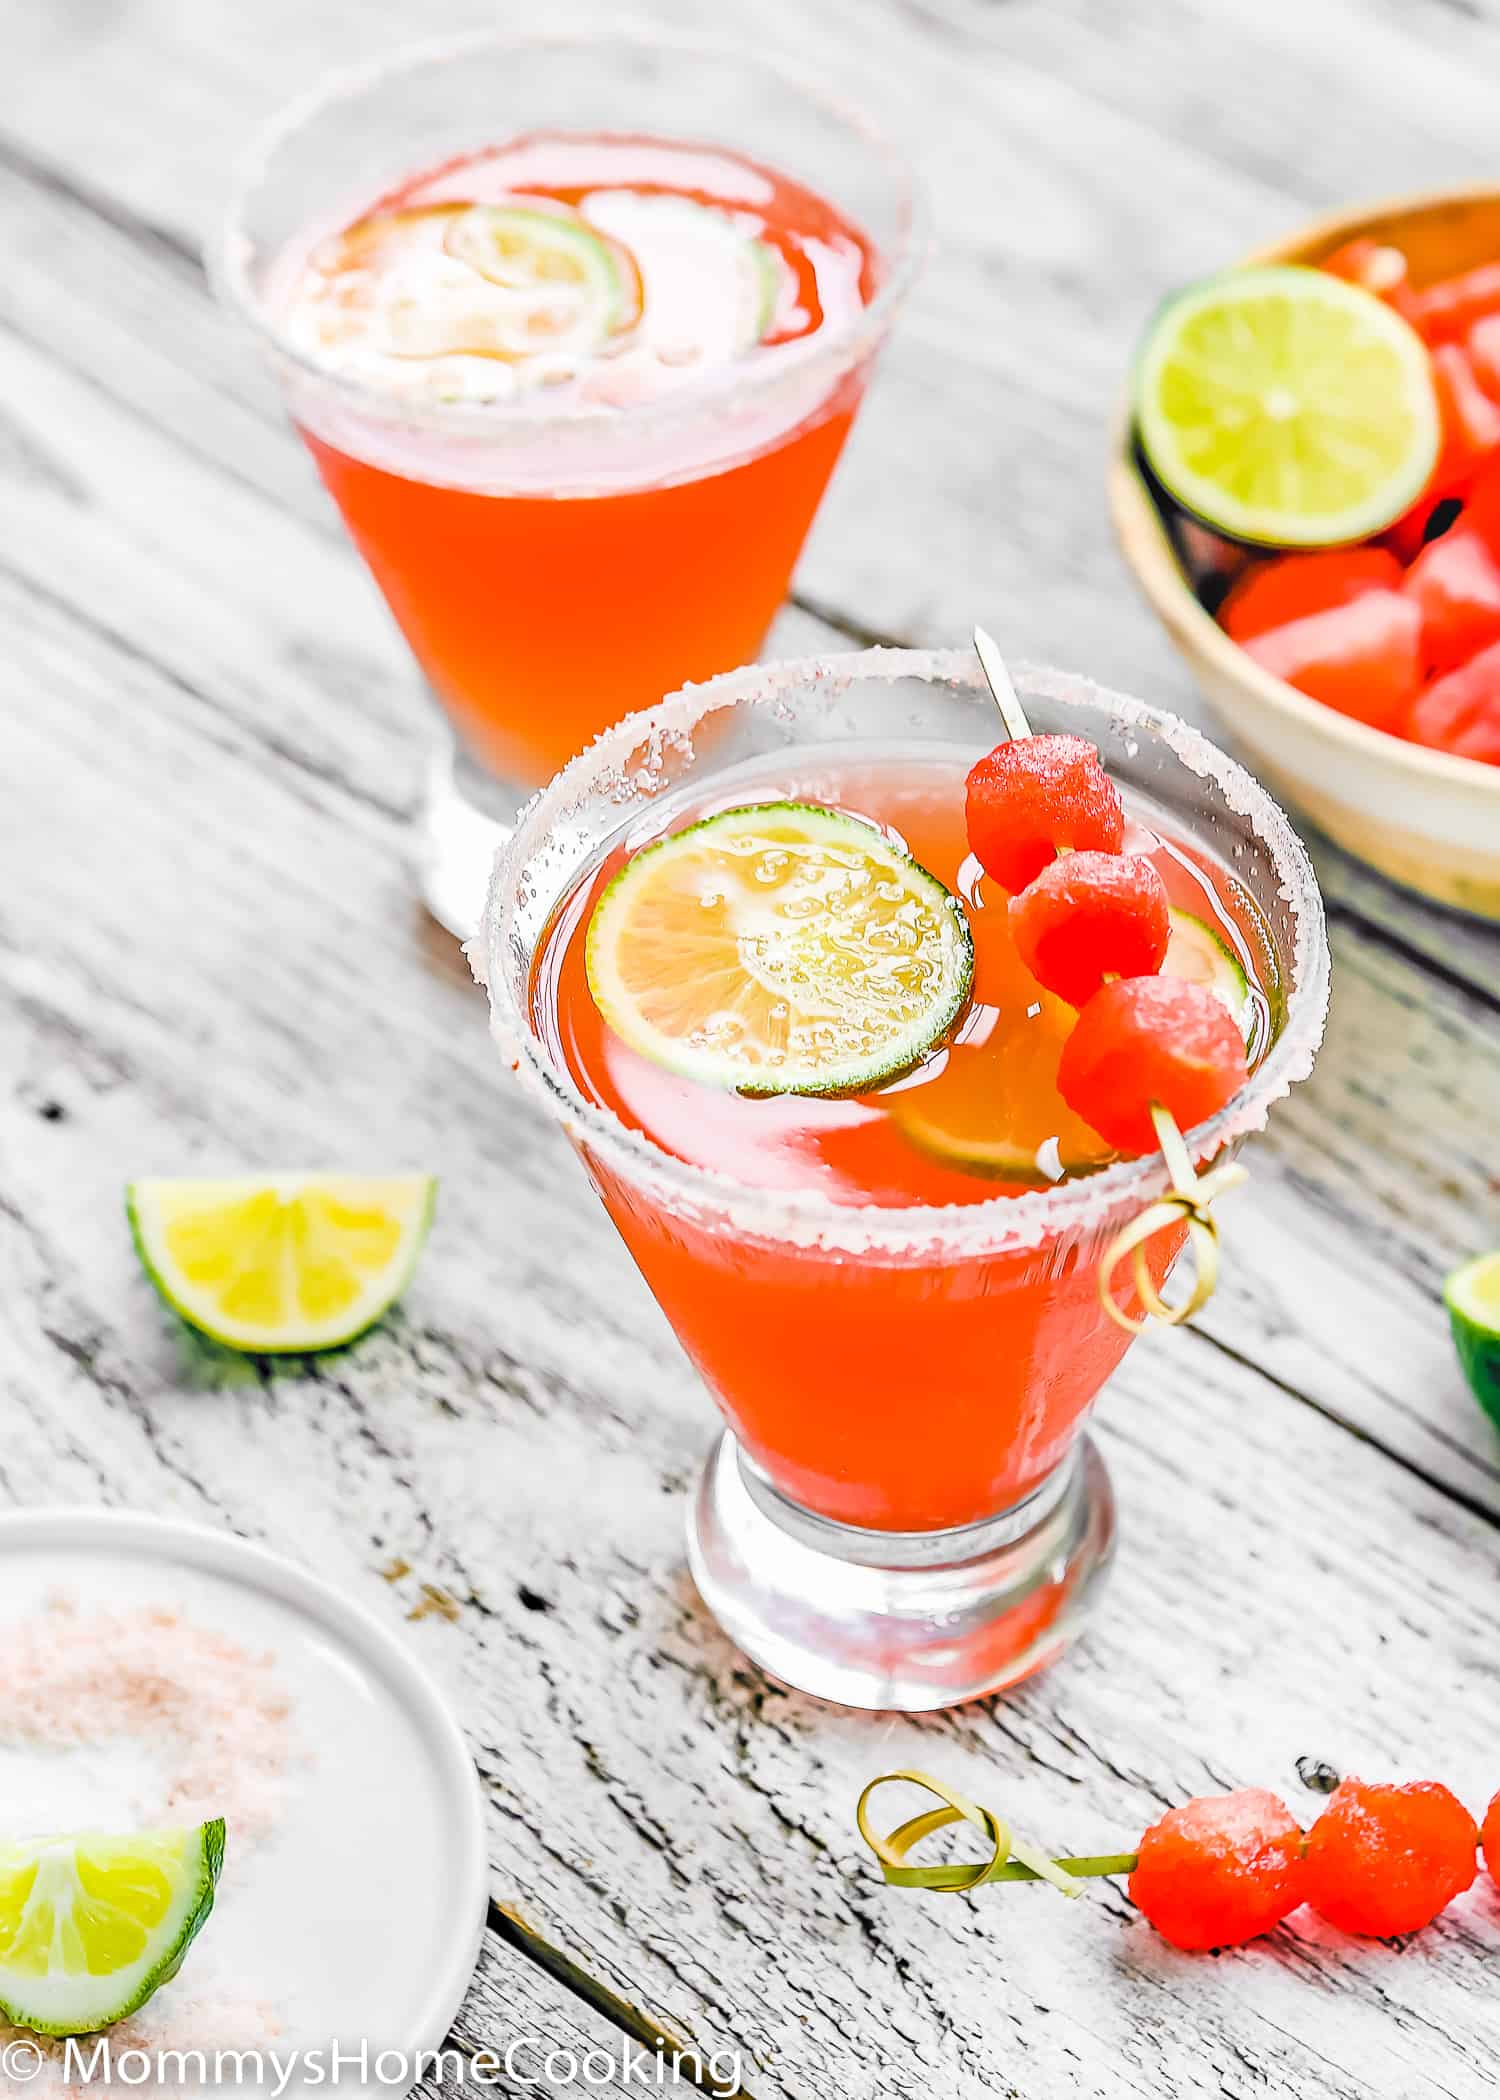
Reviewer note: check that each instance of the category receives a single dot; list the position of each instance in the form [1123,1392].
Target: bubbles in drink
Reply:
[597,271]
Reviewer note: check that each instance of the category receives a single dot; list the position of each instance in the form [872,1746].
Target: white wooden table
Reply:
[210,956]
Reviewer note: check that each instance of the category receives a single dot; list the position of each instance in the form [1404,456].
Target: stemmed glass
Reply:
[554,564]
[904,1509]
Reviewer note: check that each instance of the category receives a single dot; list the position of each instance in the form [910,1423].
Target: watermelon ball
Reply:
[1089,916]
[1220,1870]
[1150,1039]
[1034,795]
[1489,1838]
[1386,1859]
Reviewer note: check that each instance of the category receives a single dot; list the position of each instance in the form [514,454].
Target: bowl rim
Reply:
[1151,559]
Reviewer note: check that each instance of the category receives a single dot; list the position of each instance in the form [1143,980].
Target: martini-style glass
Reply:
[904,1510]
[562,553]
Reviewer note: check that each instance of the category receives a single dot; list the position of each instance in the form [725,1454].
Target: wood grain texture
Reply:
[209,956]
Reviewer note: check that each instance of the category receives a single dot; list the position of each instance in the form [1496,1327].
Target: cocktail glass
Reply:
[553,567]
[904,1510]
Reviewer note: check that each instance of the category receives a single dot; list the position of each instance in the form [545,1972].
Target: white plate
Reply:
[356,1918]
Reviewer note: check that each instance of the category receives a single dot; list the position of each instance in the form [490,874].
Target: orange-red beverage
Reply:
[942,1388]
[570,284]
[574,325]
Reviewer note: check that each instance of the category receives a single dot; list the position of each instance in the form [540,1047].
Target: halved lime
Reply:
[1472,1296]
[1002,1117]
[1286,407]
[92,1926]
[286,1263]
[782,948]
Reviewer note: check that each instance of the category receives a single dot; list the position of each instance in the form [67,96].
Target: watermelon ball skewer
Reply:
[1220,1870]
[1147,1059]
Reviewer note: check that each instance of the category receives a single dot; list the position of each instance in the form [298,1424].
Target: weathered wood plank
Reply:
[520,2031]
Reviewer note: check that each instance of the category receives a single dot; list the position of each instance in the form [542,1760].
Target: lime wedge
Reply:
[92,1926]
[1286,407]
[779,949]
[283,1264]
[1004,1118]
[1472,1296]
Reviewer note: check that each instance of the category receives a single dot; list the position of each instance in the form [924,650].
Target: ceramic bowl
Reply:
[1425,818]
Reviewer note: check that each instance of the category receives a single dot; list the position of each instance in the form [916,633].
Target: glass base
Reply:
[913,1621]
[466,815]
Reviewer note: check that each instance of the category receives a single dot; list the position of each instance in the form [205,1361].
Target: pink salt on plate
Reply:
[122,1720]
[152,1718]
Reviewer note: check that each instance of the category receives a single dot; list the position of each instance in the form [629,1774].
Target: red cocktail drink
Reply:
[891,1289]
[575,354]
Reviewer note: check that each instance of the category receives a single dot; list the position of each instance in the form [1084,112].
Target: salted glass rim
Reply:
[803,1216]
[231,255]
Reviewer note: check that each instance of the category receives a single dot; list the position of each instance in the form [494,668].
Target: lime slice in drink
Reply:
[92,1926]
[550,284]
[1005,1120]
[1196,953]
[1472,1296]
[1286,407]
[779,949]
[282,1264]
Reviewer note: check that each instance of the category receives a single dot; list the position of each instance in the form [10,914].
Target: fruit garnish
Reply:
[1294,586]
[1013,1134]
[1483,346]
[1489,1838]
[1034,795]
[1151,1041]
[91,1926]
[1383,1860]
[1471,420]
[1428,519]
[1378,267]
[1286,407]
[1197,955]
[1472,1296]
[553,284]
[1223,1869]
[1090,916]
[1455,585]
[1461,712]
[1220,1870]
[1446,312]
[1364,658]
[285,1263]
[783,948]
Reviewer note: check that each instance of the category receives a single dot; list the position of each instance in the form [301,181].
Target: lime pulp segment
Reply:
[782,948]
[92,1926]
[1286,407]
[1472,1296]
[286,1263]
